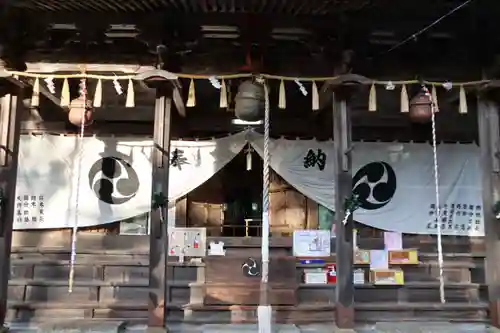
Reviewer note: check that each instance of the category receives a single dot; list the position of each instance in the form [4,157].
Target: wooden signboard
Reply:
[236,280]
[387,277]
[187,242]
[403,257]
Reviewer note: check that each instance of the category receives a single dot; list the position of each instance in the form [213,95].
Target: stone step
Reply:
[82,326]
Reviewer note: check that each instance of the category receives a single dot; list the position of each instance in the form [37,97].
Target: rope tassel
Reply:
[35,97]
[315,97]
[98,94]
[191,102]
[462,108]
[130,102]
[223,95]
[282,96]
[405,103]
[372,99]
[65,94]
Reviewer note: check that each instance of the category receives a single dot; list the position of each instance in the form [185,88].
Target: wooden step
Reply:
[411,292]
[199,313]
[453,312]
[195,292]
[219,294]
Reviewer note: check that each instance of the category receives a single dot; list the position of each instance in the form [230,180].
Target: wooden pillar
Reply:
[158,290]
[343,189]
[10,114]
[489,142]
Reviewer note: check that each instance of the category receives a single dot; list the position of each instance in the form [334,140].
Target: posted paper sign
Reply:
[311,243]
[379,259]
[393,240]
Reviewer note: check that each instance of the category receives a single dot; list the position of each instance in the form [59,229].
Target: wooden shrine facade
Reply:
[143,42]
[287,295]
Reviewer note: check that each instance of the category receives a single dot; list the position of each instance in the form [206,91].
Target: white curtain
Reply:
[198,161]
[50,195]
[62,181]
[395,182]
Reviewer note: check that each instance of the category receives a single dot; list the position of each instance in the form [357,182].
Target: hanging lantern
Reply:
[421,108]
[76,111]
[249,101]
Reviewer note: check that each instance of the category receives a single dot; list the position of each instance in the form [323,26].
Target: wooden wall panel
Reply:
[295,214]
[312,214]
[197,214]
[277,212]
[214,219]
[120,291]
[181,212]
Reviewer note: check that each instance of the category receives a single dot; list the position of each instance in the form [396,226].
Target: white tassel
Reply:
[65,94]
[405,103]
[130,102]
[249,159]
[282,96]
[35,97]
[372,99]
[462,109]
[223,95]
[315,97]
[191,102]
[98,94]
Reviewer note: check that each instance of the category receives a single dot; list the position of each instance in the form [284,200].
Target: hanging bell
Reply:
[249,101]
[421,108]
[79,108]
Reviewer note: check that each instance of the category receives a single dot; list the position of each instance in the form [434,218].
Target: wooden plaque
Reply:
[403,257]
[387,277]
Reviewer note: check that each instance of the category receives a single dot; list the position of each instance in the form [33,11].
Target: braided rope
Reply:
[239,76]
[265,191]
[83,86]
[438,208]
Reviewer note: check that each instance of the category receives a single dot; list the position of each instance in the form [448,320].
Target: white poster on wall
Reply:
[311,243]
[395,182]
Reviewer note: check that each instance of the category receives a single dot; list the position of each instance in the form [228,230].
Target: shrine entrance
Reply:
[242,209]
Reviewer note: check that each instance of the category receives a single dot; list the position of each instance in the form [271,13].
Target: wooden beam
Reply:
[45,67]
[97,128]
[158,255]
[11,105]
[489,143]
[147,19]
[295,127]
[343,188]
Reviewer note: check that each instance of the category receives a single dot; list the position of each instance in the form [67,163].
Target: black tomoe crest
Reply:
[250,268]
[113,180]
[375,184]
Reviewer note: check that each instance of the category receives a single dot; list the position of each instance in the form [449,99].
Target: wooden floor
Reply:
[111,281]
